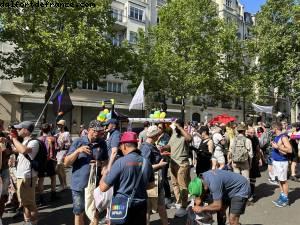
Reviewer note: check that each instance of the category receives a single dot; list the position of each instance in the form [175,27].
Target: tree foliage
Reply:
[277,35]
[48,40]
[191,52]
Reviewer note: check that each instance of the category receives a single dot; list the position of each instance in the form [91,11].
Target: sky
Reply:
[252,6]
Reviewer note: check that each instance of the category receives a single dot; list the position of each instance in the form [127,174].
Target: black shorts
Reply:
[294,156]
[50,169]
[237,205]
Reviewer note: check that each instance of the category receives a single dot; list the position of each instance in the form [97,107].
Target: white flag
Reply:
[137,101]
[260,108]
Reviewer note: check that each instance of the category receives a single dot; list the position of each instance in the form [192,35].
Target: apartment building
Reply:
[17,103]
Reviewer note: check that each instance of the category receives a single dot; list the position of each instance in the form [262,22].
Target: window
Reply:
[114,87]
[229,3]
[117,14]
[237,104]
[136,13]
[177,101]
[89,85]
[132,37]
[226,104]
[118,39]
[28,78]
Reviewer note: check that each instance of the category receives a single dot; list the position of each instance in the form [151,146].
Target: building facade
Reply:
[17,103]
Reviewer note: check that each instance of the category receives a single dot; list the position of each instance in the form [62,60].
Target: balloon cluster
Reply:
[158,115]
[104,115]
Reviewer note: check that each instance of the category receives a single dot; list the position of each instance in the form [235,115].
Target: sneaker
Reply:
[60,189]
[174,206]
[168,201]
[27,223]
[282,203]
[104,221]
[18,214]
[277,200]
[251,199]
[273,182]
[294,178]
[180,212]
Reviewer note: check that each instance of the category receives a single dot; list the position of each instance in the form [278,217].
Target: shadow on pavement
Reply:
[264,190]
[173,221]
[55,217]
[294,195]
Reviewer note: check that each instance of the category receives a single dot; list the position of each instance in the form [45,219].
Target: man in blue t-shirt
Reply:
[85,150]
[123,177]
[227,189]
[281,148]
[112,141]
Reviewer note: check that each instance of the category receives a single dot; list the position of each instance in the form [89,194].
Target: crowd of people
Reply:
[227,159]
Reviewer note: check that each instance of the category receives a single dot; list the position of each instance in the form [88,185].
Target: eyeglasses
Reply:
[160,128]
[98,131]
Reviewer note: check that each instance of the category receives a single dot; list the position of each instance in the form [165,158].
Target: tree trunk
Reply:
[48,91]
[183,108]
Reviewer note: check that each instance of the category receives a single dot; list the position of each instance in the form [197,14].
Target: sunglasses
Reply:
[160,128]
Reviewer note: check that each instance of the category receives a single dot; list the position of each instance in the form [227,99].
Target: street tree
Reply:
[191,52]
[277,37]
[50,40]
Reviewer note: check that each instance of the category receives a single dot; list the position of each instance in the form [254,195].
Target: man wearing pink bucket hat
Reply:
[124,176]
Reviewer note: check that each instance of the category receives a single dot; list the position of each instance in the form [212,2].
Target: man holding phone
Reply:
[83,151]
[180,167]
[281,147]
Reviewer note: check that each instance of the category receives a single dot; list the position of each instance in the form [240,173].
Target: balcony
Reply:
[121,20]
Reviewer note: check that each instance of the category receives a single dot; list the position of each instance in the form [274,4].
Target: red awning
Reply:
[223,118]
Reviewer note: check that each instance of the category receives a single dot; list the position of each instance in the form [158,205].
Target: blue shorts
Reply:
[78,202]
[270,160]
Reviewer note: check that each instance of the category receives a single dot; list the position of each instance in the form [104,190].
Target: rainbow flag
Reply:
[61,100]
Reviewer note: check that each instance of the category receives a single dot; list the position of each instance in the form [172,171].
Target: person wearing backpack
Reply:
[241,152]
[204,151]
[51,145]
[26,175]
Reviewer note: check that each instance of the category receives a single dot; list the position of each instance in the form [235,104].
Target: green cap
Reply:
[196,187]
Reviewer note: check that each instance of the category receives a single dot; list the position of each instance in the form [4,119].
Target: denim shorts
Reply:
[78,202]
[270,160]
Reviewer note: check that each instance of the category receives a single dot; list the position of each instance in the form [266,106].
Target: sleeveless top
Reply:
[203,147]
[276,155]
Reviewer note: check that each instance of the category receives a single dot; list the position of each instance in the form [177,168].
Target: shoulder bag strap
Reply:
[137,182]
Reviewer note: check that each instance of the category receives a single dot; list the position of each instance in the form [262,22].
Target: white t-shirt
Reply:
[217,137]
[23,167]
[196,139]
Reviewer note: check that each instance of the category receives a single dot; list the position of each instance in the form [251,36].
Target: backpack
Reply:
[239,151]
[51,149]
[40,160]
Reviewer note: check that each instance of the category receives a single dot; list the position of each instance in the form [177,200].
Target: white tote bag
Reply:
[103,199]
[90,208]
